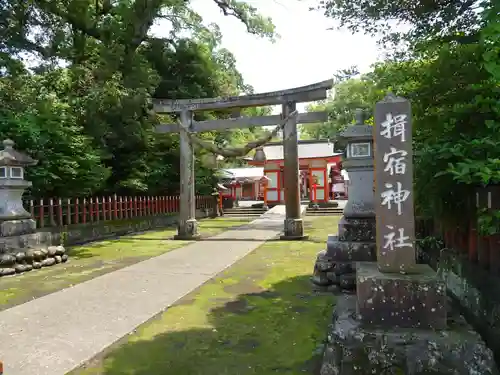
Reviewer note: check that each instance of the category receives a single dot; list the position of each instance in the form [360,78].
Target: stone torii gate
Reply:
[288,99]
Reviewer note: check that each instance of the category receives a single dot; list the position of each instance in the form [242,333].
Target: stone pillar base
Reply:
[354,348]
[396,300]
[355,243]
[187,230]
[294,230]
[9,228]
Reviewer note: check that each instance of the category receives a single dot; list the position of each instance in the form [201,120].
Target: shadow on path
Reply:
[246,330]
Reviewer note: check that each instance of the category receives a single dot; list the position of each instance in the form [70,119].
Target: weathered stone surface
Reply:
[58,259]
[19,268]
[7,260]
[51,251]
[7,271]
[60,250]
[9,228]
[37,265]
[48,262]
[357,230]
[29,255]
[64,258]
[38,255]
[323,262]
[293,229]
[347,281]
[320,279]
[344,268]
[340,274]
[20,255]
[31,240]
[187,230]
[355,349]
[350,251]
[476,290]
[395,300]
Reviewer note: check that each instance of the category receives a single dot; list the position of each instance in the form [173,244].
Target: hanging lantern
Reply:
[259,155]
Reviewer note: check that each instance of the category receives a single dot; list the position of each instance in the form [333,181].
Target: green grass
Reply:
[95,259]
[260,316]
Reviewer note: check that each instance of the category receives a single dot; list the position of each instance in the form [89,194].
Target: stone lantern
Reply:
[358,163]
[355,241]
[13,184]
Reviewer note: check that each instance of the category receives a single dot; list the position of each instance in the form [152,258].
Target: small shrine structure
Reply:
[316,158]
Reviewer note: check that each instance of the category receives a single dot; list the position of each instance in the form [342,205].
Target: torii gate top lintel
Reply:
[309,93]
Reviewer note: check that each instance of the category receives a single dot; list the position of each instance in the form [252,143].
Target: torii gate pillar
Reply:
[293,226]
[187,226]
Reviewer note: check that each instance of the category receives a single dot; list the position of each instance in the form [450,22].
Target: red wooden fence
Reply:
[56,212]
[467,241]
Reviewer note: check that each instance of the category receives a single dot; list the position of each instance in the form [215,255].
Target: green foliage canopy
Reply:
[449,70]
[78,76]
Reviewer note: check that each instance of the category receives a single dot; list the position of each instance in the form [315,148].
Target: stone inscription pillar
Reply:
[397,292]
[293,226]
[188,226]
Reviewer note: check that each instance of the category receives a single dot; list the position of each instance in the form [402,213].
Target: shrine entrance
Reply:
[286,124]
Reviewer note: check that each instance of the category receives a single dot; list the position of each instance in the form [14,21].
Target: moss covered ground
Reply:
[95,259]
[260,316]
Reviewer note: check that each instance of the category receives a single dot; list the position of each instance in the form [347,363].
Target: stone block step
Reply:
[324,211]
[350,251]
[241,215]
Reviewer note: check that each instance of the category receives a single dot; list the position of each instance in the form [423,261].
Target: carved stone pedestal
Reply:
[354,348]
[355,243]
[187,230]
[293,230]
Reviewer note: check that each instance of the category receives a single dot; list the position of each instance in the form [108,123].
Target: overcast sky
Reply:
[307,51]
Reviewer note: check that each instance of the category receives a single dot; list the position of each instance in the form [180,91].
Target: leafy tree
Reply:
[448,69]
[348,95]
[43,126]
[113,68]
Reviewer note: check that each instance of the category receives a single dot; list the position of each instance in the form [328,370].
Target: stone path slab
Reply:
[54,334]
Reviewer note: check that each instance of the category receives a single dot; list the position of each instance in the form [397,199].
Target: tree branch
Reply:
[52,7]
[237,151]
[228,10]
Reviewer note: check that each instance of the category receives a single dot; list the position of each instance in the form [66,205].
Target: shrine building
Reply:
[316,159]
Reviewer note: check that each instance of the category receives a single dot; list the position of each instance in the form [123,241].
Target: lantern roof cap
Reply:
[11,157]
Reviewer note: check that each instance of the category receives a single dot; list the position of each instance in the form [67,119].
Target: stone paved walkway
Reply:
[53,334]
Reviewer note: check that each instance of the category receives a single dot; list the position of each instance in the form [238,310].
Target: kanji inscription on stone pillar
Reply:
[394,186]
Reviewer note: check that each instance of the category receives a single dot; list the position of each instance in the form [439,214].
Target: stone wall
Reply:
[79,234]
[478,293]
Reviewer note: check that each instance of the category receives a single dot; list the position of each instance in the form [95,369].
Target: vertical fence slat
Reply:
[32,209]
[41,213]
[84,211]
[68,211]
[97,210]
[60,221]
